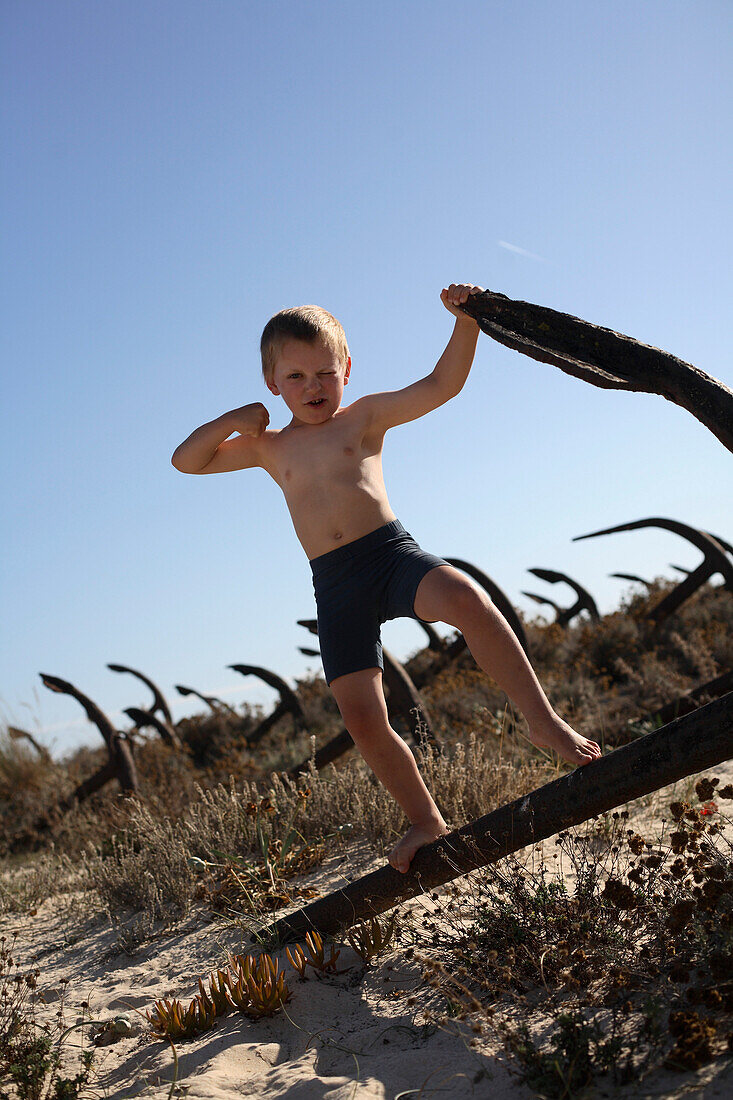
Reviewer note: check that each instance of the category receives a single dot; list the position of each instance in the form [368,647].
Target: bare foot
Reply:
[568,744]
[416,836]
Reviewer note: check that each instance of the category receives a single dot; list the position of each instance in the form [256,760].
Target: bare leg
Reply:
[447,595]
[360,697]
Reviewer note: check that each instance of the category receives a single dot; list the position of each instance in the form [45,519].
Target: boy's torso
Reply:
[331,476]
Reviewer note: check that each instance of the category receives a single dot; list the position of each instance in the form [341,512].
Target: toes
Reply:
[399,862]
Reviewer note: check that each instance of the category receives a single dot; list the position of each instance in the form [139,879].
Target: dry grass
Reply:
[603,677]
[620,942]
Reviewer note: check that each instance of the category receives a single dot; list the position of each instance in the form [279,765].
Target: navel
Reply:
[338,534]
[288,475]
[348,450]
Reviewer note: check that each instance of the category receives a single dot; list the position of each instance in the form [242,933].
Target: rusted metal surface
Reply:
[23,735]
[631,577]
[688,745]
[90,786]
[545,600]
[122,765]
[289,702]
[215,705]
[714,561]
[146,718]
[604,358]
[159,702]
[584,601]
[726,545]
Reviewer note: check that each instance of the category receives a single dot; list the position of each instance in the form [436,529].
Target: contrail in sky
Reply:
[521,251]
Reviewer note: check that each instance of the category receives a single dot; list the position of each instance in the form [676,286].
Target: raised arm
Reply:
[386,410]
[208,450]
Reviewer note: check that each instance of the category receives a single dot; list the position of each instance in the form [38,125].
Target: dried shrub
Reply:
[145,868]
[623,961]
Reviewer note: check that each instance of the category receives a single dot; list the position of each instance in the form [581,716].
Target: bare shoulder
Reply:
[392,407]
[358,411]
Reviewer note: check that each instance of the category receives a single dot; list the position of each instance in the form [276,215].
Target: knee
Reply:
[468,604]
[361,720]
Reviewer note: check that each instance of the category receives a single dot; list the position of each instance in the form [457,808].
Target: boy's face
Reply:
[310,378]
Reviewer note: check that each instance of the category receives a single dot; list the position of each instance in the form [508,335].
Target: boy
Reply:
[366,567]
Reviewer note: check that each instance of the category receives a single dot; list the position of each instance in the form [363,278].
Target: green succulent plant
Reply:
[297,959]
[169,1019]
[372,938]
[216,995]
[316,954]
[256,986]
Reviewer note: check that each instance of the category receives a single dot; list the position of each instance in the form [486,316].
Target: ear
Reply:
[273,388]
[347,372]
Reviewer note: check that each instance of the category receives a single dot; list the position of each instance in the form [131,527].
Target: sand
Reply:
[350,1036]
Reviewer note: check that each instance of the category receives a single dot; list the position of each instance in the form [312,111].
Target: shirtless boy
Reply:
[366,567]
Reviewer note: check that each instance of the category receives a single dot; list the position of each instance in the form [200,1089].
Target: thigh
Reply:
[446,595]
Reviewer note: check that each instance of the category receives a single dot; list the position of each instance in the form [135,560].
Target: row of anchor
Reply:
[406,707]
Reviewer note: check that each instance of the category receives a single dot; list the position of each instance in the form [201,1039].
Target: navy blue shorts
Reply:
[359,586]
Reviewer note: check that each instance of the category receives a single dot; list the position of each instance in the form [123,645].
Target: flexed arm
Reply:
[208,450]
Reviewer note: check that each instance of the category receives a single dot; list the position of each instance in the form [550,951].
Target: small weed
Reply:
[579,1053]
[31,1059]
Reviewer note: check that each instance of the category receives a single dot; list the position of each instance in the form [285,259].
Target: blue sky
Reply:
[175,171]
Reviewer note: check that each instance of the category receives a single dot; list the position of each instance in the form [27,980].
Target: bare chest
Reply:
[333,454]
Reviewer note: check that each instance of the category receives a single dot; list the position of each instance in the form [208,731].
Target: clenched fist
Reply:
[250,419]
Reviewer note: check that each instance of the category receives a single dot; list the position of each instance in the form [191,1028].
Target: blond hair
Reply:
[308,323]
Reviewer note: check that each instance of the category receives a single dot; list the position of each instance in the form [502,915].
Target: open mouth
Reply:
[317,402]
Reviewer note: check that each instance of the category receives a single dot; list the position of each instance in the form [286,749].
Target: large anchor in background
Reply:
[584,601]
[164,725]
[216,706]
[715,560]
[288,704]
[120,765]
